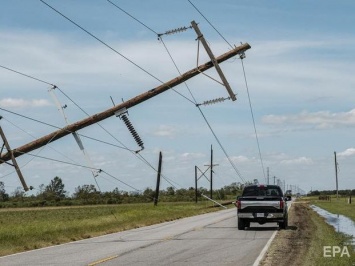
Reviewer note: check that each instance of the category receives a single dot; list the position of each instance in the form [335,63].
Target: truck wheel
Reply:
[241,224]
[284,224]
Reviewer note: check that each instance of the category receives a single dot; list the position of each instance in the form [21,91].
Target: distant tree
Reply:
[55,189]
[3,195]
[148,194]
[86,193]
[18,194]
[170,191]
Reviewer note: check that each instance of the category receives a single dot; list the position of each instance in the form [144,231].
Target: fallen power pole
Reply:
[69,129]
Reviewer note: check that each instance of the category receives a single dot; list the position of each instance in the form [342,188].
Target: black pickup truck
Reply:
[262,204]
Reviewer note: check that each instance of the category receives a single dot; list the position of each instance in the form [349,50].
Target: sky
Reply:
[299,73]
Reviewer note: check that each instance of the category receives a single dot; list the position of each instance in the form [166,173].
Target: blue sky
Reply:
[299,71]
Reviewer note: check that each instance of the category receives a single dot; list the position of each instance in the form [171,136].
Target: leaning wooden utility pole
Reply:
[14,162]
[117,110]
[158,180]
[128,104]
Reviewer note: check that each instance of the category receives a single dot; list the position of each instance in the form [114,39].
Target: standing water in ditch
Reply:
[341,223]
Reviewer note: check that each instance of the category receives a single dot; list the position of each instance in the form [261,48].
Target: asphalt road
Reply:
[208,239]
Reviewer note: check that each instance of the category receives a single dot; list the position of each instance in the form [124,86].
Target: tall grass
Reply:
[26,229]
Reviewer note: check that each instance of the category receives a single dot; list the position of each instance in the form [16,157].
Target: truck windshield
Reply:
[261,191]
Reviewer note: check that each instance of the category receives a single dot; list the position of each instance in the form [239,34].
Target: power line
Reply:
[104,142]
[110,47]
[128,14]
[31,77]
[82,166]
[47,124]
[252,115]
[246,84]
[210,24]
[204,117]
[139,156]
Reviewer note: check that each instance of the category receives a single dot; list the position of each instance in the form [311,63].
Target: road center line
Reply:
[102,260]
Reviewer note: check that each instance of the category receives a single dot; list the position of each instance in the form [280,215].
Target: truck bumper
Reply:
[266,216]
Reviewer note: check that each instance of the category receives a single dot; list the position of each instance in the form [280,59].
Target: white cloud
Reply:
[300,160]
[22,103]
[321,119]
[239,159]
[347,152]
[165,131]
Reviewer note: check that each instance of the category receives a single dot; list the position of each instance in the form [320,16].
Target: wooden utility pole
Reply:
[128,104]
[211,173]
[158,180]
[195,183]
[336,172]
[14,163]
[214,61]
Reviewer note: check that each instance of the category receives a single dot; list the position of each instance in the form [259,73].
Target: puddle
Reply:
[340,222]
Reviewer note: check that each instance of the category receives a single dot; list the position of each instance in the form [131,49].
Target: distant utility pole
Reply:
[211,173]
[268,175]
[274,179]
[336,172]
[158,180]
[195,183]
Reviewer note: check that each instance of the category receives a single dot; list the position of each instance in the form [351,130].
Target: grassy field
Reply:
[336,206]
[26,229]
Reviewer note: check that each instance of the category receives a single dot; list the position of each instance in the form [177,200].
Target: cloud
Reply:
[165,131]
[321,119]
[347,152]
[22,103]
[239,159]
[299,160]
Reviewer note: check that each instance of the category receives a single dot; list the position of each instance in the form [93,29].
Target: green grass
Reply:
[325,234]
[26,229]
[337,206]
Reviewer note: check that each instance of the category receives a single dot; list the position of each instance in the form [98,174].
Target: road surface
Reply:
[208,239]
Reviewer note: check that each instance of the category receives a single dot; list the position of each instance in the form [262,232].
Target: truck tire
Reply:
[284,224]
[241,225]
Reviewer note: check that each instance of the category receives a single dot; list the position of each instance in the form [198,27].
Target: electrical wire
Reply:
[21,129]
[28,76]
[82,166]
[110,47]
[81,135]
[204,117]
[210,24]
[246,84]
[252,115]
[139,156]
[128,14]
[124,146]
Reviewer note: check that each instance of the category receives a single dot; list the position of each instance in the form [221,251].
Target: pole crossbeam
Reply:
[111,112]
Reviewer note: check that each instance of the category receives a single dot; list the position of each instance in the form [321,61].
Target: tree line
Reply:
[54,194]
[343,192]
